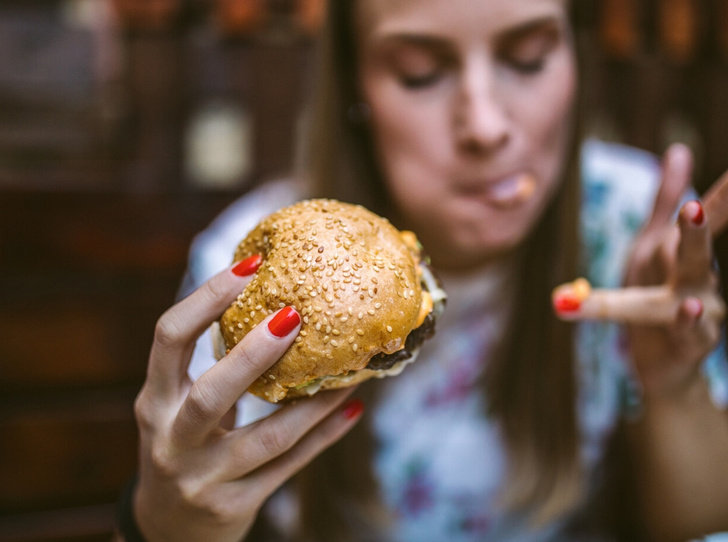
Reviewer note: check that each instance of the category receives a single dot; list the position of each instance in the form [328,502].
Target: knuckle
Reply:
[215,292]
[206,499]
[199,404]
[248,357]
[143,413]
[167,332]
[275,441]
[162,460]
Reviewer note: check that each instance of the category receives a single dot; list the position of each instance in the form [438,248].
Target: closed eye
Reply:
[418,82]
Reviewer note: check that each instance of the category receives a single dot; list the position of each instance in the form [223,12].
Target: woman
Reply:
[456,119]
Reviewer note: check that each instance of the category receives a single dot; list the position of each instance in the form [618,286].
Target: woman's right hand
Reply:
[197,479]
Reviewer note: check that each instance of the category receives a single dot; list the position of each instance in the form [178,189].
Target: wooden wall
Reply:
[98,203]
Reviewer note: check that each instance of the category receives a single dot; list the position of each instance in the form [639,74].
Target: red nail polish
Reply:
[248,266]
[696,308]
[566,303]
[699,215]
[352,409]
[284,322]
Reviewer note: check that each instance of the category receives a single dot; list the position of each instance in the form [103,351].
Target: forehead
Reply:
[451,18]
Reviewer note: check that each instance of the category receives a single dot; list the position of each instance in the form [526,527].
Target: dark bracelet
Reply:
[125,515]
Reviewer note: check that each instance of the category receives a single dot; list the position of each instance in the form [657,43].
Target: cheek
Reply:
[548,118]
[411,137]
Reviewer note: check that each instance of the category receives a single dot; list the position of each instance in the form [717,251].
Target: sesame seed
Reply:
[389,328]
[355,347]
[360,332]
[334,343]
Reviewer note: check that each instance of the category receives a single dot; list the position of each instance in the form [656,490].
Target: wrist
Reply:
[687,394]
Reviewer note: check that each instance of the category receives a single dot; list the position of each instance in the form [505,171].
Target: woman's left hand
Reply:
[671,300]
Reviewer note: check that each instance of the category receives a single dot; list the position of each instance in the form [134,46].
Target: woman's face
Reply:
[470,103]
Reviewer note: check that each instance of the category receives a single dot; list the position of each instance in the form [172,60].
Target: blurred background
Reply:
[127,125]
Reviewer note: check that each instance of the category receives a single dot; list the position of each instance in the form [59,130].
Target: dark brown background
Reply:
[97,209]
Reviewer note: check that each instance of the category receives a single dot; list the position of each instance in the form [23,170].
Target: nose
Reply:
[480,117]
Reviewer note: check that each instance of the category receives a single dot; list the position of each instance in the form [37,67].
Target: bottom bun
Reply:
[351,379]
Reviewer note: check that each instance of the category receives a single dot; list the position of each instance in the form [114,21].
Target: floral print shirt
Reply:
[440,460]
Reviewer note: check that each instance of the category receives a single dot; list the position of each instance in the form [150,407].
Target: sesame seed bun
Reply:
[352,276]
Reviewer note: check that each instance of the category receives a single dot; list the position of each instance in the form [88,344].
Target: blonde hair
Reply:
[530,386]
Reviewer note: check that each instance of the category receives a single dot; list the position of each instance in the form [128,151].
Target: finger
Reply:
[259,443]
[677,166]
[694,251]
[697,326]
[179,327]
[217,390]
[638,304]
[268,478]
[688,314]
[715,203]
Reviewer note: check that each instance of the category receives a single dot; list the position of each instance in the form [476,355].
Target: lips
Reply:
[506,192]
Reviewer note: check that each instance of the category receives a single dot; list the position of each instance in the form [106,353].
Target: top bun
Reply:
[352,277]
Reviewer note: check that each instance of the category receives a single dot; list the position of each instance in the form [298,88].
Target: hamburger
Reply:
[365,292]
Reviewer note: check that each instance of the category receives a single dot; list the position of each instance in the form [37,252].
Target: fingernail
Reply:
[696,213]
[284,322]
[248,266]
[695,307]
[352,409]
[680,156]
[567,302]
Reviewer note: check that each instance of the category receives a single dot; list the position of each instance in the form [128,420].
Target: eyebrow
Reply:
[511,34]
[418,40]
[514,34]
